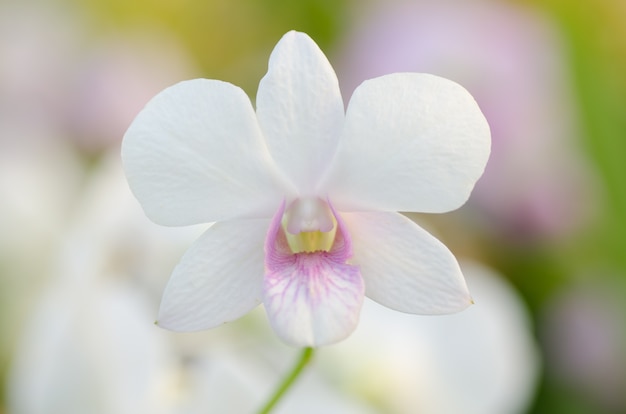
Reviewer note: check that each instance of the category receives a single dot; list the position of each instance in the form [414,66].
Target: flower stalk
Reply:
[290,379]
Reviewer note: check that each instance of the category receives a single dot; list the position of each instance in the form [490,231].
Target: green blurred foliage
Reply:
[230,40]
[595,35]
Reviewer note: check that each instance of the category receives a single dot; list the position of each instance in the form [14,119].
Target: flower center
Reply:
[310,225]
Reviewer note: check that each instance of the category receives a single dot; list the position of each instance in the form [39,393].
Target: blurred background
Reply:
[542,239]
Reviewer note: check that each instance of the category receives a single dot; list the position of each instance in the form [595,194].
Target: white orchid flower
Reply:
[304,196]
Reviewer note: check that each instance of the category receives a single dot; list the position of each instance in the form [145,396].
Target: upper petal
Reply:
[404,267]
[411,142]
[300,109]
[219,279]
[195,154]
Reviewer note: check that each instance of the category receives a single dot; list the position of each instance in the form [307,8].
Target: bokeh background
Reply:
[542,239]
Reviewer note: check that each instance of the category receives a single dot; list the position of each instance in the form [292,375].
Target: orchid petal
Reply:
[404,267]
[195,154]
[300,109]
[311,299]
[219,279]
[411,142]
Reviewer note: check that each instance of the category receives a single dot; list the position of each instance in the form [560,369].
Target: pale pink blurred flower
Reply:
[38,48]
[536,184]
[55,74]
[115,79]
[584,330]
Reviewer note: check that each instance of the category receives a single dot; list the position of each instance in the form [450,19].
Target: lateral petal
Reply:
[404,267]
[219,279]
[411,142]
[195,154]
[300,109]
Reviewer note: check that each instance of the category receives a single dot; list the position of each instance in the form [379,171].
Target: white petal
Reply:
[219,279]
[300,109]
[404,267]
[195,154]
[89,348]
[411,142]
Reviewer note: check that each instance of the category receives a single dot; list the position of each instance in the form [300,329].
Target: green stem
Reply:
[305,357]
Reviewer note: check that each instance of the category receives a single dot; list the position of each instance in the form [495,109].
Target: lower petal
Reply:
[312,300]
[404,267]
[219,279]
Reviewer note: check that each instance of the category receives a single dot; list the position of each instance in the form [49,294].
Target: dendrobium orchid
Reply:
[305,197]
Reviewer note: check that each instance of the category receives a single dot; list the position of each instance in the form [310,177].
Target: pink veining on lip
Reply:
[320,287]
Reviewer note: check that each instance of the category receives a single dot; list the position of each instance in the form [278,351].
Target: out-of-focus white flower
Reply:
[481,361]
[536,185]
[90,348]
[119,236]
[331,181]
[222,381]
[89,345]
[38,185]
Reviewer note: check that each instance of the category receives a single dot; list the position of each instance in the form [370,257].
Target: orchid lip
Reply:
[312,298]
